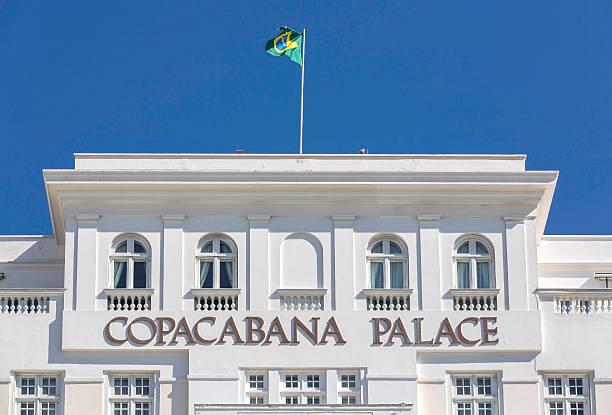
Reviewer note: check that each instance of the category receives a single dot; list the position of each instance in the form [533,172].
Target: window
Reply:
[349,388]
[131,394]
[216,258]
[130,263]
[38,394]
[473,263]
[256,388]
[566,394]
[306,388]
[474,395]
[388,263]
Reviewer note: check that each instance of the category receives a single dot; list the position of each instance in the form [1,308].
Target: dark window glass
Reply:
[122,248]
[226,275]
[138,248]
[120,274]
[140,275]
[206,274]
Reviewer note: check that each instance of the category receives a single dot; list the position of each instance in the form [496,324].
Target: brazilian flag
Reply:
[288,43]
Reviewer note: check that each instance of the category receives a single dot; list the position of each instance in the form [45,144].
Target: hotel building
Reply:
[200,284]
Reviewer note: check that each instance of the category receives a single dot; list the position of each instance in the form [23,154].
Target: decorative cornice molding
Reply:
[514,220]
[436,381]
[428,218]
[87,217]
[35,265]
[49,292]
[258,218]
[173,218]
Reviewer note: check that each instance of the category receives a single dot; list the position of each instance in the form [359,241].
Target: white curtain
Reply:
[119,272]
[463,275]
[228,271]
[397,275]
[204,267]
[376,271]
[482,269]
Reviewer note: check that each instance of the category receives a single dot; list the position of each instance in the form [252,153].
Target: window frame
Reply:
[386,258]
[348,391]
[130,257]
[472,258]
[132,398]
[38,398]
[474,398]
[256,393]
[302,391]
[566,398]
[216,258]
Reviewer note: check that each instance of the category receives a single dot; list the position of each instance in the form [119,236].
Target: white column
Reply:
[331,383]
[273,386]
[173,283]
[429,260]
[70,263]
[342,292]
[258,275]
[531,252]
[516,263]
[86,263]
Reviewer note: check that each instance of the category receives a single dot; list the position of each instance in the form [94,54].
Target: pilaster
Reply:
[516,263]
[343,282]
[173,281]
[429,262]
[258,275]
[86,266]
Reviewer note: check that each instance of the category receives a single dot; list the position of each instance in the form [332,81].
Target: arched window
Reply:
[387,263]
[216,258]
[473,262]
[130,262]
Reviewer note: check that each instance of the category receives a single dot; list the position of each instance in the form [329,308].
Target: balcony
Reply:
[579,300]
[27,300]
[122,299]
[474,299]
[215,299]
[392,299]
[301,298]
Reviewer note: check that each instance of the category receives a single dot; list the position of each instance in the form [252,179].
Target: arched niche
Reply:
[301,262]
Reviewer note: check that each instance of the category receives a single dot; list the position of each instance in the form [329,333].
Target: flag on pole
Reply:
[288,43]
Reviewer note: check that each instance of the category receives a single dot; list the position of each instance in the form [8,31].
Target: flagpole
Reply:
[302,97]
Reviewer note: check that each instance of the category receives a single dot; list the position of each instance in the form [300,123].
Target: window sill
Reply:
[473,291]
[199,292]
[128,291]
[387,291]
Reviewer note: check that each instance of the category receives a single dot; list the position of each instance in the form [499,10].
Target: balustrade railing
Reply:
[215,299]
[302,299]
[27,301]
[579,301]
[480,299]
[394,299]
[121,299]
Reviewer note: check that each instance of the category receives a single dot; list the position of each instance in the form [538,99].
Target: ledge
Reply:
[128,291]
[301,292]
[372,292]
[405,408]
[220,292]
[51,292]
[473,292]
[591,292]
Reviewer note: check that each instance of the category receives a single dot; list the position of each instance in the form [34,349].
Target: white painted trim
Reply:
[70,381]
[391,377]
[519,380]
[317,292]
[51,292]
[431,381]
[33,265]
[212,377]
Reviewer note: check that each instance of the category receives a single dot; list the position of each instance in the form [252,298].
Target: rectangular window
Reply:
[566,394]
[291,381]
[131,394]
[349,400]
[479,399]
[256,388]
[349,388]
[291,400]
[37,394]
[307,388]
[313,400]
[312,381]
[348,381]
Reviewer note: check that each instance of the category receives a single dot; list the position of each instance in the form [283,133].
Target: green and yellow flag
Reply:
[288,43]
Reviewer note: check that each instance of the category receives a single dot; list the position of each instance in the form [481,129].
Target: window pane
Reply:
[206,274]
[554,386]
[138,248]
[463,387]
[207,248]
[464,248]
[226,275]
[481,249]
[225,248]
[120,274]
[463,275]
[394,248]
[575,386]
[122,247]
[397,274]
[555,408]
[376,271]
[378,248]
[140,275]
[482,269]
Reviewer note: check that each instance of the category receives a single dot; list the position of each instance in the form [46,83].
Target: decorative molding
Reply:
[301,292]
[510,381]
[69,381]
[33,265]
[4,381]
[562,292]
[428,218]
[171,380]
[343,218]
[210,377]
[514,220]
[259,218]
[403,408]
[387,291]
[473,292]
[42,292]
[391,377]
[87,217]
[432,381]
[602,381]
[173,218]
[128,291]
[212,292]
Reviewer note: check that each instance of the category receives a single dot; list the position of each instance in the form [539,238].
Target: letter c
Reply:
[472,320]
[107,330]
[134,338]
[196,333]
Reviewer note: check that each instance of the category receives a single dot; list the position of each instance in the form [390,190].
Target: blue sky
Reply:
[393,77]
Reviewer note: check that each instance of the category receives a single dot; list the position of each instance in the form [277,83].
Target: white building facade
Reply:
[316,284]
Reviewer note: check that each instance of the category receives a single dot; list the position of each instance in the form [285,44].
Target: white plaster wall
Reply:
[5,397]
[431,398]
[519,398]
[84,398]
